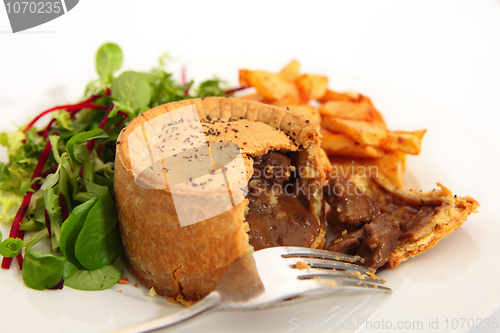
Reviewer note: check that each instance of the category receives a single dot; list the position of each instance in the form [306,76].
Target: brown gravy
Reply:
[277,216]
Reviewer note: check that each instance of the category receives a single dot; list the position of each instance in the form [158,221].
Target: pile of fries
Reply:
[355,135]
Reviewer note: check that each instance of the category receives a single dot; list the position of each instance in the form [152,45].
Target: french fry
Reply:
[407,142]
[354,131]
[391,166]
[347,110]
[363,132]
[340,145]
[324,131]
[378,120]
[331,95]
[271,86]
[291,71]
[368,134]
[290,99]
[310,112]
[377,116]
[311,86]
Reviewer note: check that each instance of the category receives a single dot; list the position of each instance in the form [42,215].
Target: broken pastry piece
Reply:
[387,225]
[283,205]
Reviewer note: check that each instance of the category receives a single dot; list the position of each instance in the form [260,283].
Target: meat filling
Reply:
[277,215]
[371,225]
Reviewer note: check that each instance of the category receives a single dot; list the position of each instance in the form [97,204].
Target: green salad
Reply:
[58,183]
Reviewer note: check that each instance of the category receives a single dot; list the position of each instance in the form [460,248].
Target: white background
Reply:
[446,53]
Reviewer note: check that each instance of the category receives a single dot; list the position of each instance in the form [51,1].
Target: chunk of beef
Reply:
[351,206]
[381,238]
[272,167]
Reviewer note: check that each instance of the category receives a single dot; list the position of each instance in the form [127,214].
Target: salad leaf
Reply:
[98,243]
[69,269]
[211,88]
[42,270]
[8,202]
[36,237]
[131,88]
[53,209]
[11,247]
[98,279]
[108,60]
[76,150]
[52,179]
[71,229]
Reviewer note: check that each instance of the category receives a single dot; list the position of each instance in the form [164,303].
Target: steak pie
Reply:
[180,231]
[386,225]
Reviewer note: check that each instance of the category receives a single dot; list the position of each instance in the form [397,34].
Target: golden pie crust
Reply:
[186,263]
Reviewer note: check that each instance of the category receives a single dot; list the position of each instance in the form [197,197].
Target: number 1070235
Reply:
[33,7]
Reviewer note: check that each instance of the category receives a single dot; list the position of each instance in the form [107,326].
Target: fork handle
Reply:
[210,302]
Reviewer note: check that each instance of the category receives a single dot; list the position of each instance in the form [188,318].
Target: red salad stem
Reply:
[47,223]
[15,231]
[64,207]
[184,79]
[104,121]
[45,133]
[99,149]
[124,115]
[183,75]
[49,171]
[86,104]
[233,90]
[58,286]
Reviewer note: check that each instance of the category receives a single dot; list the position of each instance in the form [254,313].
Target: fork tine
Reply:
[326,273]
[291,252]
[329,282]
[329,264]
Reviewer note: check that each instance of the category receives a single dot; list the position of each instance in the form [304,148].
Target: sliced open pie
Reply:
[201,183]
[386,225]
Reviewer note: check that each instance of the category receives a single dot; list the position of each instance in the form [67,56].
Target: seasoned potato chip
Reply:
[331,95]
[340,145]
[271,86]
[310,112]
[290,99]
[377,116]
[407,142]
[347,110]
[311,86]
[291,71]
[390,166]
[324,131]
[378,119]
[363,132]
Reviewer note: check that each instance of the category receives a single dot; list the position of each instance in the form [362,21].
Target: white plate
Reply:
[454,280]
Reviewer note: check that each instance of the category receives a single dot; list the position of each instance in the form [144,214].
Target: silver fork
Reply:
[272,275]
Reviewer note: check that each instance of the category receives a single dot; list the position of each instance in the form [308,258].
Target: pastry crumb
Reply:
[301,265]
[359,275]
[136,285]
[152,292]
[123,280]
[119,291]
